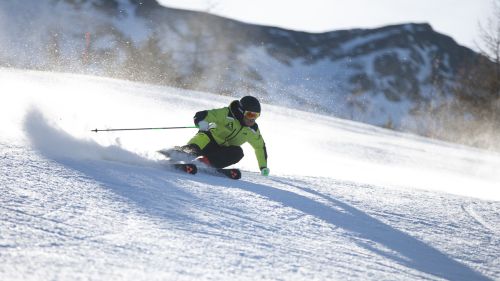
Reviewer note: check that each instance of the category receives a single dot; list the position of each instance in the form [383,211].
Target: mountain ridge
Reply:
[387,76]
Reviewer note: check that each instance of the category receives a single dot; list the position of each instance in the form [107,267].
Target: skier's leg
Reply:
[218,156]
[200,141]
[189,151]
[223,156]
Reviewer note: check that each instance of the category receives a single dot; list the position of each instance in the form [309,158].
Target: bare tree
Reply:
[489,68]
[478,90]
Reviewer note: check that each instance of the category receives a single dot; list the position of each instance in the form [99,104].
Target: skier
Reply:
[223,130]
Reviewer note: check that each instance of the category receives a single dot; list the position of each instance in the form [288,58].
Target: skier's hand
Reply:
[205,126]
[264,172]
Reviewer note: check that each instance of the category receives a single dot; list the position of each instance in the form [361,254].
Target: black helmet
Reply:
[249,103]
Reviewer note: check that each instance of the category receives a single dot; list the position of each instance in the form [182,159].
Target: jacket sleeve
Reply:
[207,115]
[199,116]
[259,146]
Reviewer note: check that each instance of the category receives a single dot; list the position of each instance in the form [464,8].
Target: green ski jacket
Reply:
[230,131]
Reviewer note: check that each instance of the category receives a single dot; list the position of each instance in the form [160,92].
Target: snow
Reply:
[130,25]
[360,41]
[345,201]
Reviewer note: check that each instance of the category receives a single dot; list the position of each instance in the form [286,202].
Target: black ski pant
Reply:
[219,156]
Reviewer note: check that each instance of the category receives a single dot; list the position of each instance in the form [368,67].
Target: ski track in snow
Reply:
[495,216]
[75,220]
[104,213]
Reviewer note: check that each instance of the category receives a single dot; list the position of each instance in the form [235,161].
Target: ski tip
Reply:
[234,174]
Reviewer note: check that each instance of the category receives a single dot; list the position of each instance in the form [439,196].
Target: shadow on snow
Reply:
[134,179]
[418,255]
[137,180]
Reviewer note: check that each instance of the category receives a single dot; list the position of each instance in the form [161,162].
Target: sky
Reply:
[456,18]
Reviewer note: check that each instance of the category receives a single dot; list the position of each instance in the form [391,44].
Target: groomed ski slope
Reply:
[345,201]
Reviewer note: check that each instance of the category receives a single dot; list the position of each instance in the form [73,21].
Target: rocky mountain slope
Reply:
[384,76]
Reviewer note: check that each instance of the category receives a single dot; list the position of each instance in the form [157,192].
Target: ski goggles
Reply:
[251,115]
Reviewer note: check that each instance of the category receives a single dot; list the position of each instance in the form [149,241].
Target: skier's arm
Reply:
[200,116]
[259,146]
[205,119]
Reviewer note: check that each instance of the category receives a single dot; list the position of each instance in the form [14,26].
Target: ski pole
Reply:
[138,129]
